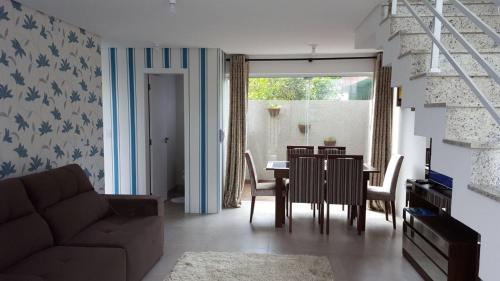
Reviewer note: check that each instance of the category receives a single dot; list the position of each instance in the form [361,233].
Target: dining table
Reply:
[281,172]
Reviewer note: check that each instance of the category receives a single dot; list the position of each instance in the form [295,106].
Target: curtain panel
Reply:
[382,125]
[235,174]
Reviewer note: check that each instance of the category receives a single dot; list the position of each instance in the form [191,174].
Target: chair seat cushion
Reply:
[266,189]
[73,263]
[379,193]
[140,237]
[266,186]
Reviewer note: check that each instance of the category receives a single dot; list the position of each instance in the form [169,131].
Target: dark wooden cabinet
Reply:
[438,246]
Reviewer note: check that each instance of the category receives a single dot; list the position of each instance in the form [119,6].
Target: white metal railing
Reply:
[437,46]
[460,38]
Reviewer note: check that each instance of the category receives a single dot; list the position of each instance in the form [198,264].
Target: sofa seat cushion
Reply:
[140,237]
[74,263]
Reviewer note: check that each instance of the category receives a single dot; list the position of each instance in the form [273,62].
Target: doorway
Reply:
[166,136]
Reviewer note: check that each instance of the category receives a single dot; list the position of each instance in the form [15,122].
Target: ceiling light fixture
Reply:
[313,51]
[171,6]
[313,48]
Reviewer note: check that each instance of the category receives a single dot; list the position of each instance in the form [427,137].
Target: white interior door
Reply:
[162,89]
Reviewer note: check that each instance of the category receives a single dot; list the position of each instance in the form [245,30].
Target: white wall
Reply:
[179,131]
[412,147]
[348,121]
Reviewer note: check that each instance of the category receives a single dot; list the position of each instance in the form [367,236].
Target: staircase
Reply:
[466,138]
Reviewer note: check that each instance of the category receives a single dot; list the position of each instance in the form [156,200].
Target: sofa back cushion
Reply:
[22,231]
[66,199]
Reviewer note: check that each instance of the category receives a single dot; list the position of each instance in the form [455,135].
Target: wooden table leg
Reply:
[279,217]
[362,208]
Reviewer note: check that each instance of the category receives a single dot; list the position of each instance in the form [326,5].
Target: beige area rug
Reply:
[220,266]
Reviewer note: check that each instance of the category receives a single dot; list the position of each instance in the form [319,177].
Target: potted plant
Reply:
[274,109]
[330,141]
[304,127]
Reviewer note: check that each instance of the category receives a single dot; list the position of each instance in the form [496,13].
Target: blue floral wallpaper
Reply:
[50,95]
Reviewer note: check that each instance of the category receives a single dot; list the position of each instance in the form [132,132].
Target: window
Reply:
[311,88]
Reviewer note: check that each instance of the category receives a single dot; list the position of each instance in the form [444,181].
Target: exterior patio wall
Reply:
[347,121]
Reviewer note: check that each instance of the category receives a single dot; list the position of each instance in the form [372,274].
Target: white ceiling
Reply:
[253,27]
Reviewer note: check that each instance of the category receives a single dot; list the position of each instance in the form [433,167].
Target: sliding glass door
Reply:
[307,111]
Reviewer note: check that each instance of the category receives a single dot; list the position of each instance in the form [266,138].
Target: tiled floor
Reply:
[373,256]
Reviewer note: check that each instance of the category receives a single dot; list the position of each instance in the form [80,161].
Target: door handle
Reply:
[166,140]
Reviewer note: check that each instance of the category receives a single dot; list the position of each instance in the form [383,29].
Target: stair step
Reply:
[471,124]
[477,7]
[421,41]
[486,167]
[489,191]
[461,23]
[421,61]
[452,90]
[473,145]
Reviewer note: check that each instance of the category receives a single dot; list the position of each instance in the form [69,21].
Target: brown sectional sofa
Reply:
[55,227]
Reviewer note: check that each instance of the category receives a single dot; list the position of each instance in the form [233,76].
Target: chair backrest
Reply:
[331,150]
[304,150]
[306,178]
[253,172]
[344,179]
[392,173]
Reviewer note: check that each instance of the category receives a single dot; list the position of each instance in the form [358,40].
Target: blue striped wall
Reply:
[125,104]
[133,119]
[114,121]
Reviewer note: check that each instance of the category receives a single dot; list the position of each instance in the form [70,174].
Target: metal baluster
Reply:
[437,33]
[394,7]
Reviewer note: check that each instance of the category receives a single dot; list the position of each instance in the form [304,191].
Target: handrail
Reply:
[475,54]
[468,80]
[478,21]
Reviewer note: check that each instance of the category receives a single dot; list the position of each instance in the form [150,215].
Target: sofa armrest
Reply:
[17,277]
[136,205]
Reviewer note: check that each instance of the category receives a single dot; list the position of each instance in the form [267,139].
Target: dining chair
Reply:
[331,150]
[299,150]
[344,183]
[387,192]
[306,181]
[257,188]
[305,150]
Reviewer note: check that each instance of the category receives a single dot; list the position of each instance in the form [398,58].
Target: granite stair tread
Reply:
[449,9]
[460,23]
[437,74]
[420,40]
[427,52]
[472,144]
[489,191]
[420,63]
